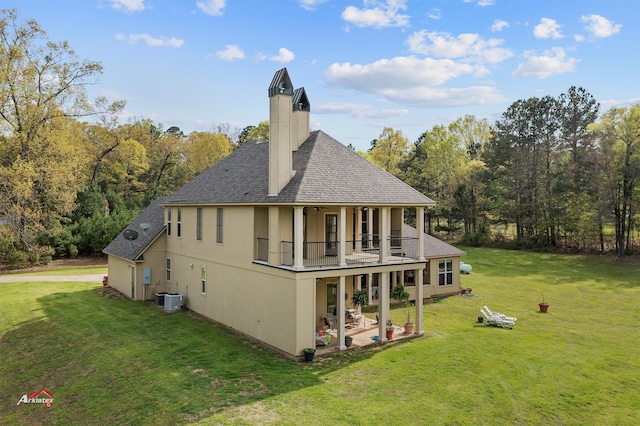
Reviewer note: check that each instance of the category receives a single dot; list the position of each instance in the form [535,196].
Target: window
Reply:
[199,224]
[219,226]
[203,279]
[445,272]
[179,223]
[331,234]
[168,269]
[169,222]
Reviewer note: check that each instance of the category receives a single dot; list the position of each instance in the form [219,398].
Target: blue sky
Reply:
[365,65]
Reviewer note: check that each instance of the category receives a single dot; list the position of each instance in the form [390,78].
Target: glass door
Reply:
[332,291]
[331,234]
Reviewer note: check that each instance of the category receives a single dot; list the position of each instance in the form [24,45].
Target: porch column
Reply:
[274,235]
[383,228]
[369,288]
[340,312]
[420,229]
[417,329]
[383,305]
[298,238]
[342,236]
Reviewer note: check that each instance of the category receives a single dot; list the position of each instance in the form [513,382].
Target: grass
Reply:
[108,360]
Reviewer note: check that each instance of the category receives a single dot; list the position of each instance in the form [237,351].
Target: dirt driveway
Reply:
[12,278]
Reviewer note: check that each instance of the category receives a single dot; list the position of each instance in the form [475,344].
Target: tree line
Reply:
[72,175]
[551,173]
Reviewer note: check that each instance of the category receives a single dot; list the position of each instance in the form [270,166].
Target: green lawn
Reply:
[108,360]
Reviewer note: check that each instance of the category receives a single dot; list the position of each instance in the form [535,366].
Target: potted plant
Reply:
[389,330]
[401,294]
[359,299]
[543,305]
[348,340]
[308,354]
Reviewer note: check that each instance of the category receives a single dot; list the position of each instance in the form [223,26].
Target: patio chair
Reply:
[330,320]
[357,319]
[497,321]
[500,315]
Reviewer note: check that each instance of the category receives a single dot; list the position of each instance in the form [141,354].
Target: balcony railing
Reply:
[325,253]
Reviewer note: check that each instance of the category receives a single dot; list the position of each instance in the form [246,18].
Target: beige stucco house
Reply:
[280,233]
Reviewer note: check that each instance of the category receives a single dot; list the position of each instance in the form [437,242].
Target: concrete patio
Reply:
[363,335]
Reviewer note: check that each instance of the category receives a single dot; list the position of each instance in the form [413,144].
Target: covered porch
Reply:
[335,314]
[366,334]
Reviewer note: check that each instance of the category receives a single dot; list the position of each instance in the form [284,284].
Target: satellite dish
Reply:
[130,234]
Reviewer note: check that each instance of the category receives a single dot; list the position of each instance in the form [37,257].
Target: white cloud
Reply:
[499,25]
[128,5]
[429,97]
[466,46]
[482,3]
[435,14]
[357,110]
[396,73]
[620,102]
[382,14]
[284,56]
[552,62]
[578,37]
[211,7]
[151,41]
[547,28]
[231,53]
[310,4]
[599,26]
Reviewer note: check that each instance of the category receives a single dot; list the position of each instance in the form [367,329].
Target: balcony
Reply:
[324,254]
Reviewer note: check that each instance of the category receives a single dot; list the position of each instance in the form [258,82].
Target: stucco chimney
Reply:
[280,128]
[300,121]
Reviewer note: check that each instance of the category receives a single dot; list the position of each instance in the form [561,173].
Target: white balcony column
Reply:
[420,229]
[342,236]
[383,237]
[383,305]
[340,312]
[274,235]
[369,287]
[419,278]
[298,237]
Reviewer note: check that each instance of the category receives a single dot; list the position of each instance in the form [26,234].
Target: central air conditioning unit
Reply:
[172,302]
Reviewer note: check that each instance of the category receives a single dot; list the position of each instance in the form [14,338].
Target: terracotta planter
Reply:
[389,334]
[408,328]
[543,307]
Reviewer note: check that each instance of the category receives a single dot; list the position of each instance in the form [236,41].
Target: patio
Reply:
[362,336]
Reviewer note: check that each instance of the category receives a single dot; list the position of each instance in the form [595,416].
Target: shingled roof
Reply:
[433,247]
[326,172]
[149,225]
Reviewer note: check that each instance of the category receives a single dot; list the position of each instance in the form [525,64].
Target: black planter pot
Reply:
[309,354]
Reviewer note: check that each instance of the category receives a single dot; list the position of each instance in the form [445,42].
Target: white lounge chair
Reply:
[497,321]
[514,319]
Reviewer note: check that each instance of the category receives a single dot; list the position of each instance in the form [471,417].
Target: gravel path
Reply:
[12,278]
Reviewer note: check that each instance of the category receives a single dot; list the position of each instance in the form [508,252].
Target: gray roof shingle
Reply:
[326,172]
[433,247]
[153,219]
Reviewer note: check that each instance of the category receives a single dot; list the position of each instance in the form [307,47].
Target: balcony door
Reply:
[331,234]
